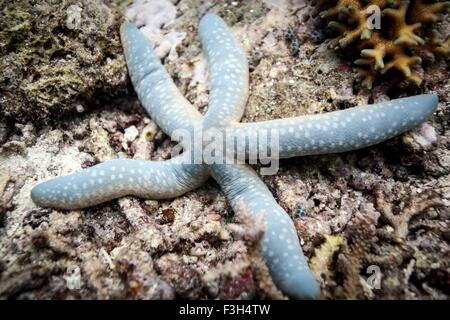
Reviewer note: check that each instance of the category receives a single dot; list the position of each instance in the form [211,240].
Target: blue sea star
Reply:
[316,134]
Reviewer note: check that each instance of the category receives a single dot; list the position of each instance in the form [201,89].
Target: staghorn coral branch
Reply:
[117,178]
[394,44]
[366,75]
[403,32]
[228,72]
[403,63]
[428,12]
[439,47]
[280,246]
[340,131]
[376,54]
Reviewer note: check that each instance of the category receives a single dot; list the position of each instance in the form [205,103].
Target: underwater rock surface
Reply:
[58,57]
[386,206]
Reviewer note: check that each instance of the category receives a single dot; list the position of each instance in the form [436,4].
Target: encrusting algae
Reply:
[58,57]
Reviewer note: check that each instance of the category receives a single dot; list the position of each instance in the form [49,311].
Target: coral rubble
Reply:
[329,197]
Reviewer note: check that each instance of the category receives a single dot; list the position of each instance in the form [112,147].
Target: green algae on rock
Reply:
[57,57]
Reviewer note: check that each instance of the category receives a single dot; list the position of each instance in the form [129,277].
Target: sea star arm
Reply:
[154,86]
[280,245]
[147,179]
[228,82]
[117,178]
[337,131]
[228,72]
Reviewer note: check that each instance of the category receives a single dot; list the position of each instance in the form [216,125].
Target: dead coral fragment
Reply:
[405,26]
[415,206]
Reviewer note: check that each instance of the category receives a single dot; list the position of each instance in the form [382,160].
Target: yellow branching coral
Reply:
[406,27]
